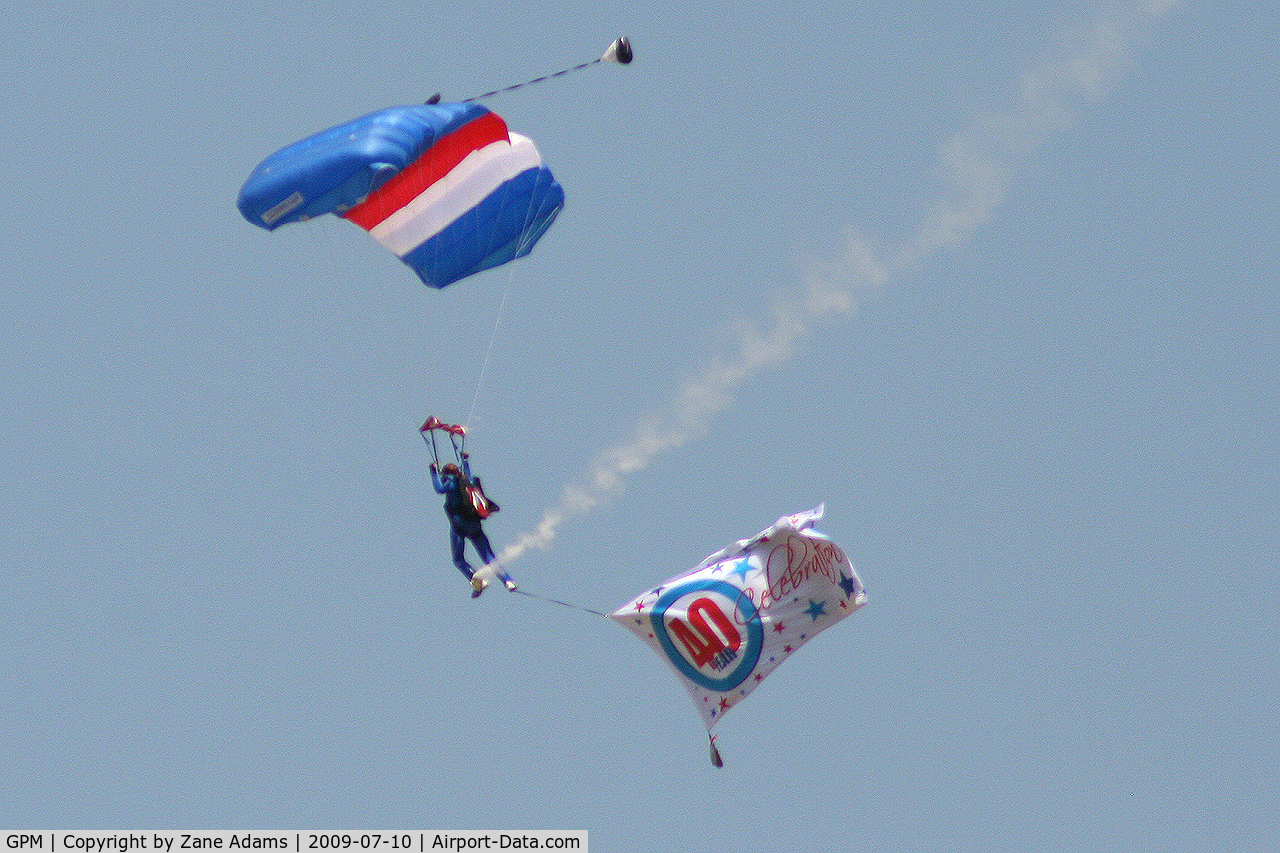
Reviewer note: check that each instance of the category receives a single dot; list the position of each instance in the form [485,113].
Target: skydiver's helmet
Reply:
[451,469]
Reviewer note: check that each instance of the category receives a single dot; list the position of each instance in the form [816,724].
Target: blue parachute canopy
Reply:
[445,187]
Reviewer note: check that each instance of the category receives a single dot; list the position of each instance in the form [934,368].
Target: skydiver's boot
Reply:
[480,580]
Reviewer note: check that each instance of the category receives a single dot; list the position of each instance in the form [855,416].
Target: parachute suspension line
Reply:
[526,243]
[488,353]
[321,256]
[619,51]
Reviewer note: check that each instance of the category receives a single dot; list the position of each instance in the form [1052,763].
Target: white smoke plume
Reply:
[976,167]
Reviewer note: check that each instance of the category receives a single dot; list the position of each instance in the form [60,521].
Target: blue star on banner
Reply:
[816,609]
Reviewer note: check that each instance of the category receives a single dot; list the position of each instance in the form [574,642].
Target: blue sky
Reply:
[995,282]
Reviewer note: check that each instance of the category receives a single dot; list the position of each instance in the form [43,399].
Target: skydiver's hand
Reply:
[433,468]
[466,455]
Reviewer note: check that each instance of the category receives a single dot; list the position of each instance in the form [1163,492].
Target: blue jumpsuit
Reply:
[463,523]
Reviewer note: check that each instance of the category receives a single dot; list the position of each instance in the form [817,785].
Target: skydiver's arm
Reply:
[435,481]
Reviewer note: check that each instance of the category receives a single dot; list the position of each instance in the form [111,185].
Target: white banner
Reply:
[732,619]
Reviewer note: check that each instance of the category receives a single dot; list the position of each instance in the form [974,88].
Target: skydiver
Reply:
[464,521]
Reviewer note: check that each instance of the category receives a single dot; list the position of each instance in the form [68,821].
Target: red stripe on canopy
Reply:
[436,162]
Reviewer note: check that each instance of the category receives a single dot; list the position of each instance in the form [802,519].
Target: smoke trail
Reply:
[976,167]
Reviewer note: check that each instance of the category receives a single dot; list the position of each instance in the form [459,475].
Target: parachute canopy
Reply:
[445,187]
[731,620]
